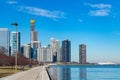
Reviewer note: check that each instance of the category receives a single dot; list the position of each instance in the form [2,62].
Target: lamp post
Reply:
[16,25]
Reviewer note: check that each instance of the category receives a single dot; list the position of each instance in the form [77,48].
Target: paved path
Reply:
[38,73]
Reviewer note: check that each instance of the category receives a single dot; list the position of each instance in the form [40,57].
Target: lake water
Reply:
[108,72]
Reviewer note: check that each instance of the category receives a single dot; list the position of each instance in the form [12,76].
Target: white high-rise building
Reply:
[57,46]
[45,54]
[53,44]
[26,51]
[5,39]
[52,53]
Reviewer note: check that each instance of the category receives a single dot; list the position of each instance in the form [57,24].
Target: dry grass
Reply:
[8,71]
[5,71]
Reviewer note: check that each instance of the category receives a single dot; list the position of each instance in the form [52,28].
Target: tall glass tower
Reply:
[66,51]
[5,39]
[15,38]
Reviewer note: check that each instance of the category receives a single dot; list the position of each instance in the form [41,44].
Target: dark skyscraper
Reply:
[82,54]
[66,51]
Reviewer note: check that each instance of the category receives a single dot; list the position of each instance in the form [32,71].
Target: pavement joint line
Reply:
[38,74]
[25,74]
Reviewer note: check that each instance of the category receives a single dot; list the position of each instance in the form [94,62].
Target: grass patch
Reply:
[5,71]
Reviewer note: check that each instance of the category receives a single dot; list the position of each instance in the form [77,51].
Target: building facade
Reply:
[34,36]
[33,33]
[5,39]
[34,43]
[58,50]
[66,51]
[26,51]
[34,46]
[55,45]
[16,42]
[82,54]
[45,54]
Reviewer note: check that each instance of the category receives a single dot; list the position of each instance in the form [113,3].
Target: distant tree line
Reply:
[10,60]
[3,50]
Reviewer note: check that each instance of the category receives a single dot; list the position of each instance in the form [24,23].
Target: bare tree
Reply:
[3,50]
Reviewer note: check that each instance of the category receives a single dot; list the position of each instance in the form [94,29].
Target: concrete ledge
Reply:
[49,74]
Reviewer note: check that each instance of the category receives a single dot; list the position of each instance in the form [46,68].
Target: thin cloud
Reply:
[99,12]
[100,6]
[99,9]
[42,12]
[11,2]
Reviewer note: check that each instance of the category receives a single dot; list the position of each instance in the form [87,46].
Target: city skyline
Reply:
[94,23]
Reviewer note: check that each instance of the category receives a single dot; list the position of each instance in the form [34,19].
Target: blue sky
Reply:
[92,22]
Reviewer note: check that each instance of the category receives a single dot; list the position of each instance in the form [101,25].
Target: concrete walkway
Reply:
[37,73]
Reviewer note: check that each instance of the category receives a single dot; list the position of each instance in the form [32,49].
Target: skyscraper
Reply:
[55,45]
[33,33]
[45,54]
[5,39]
[58,50]
[66,51]
[34,45]
[22,49]
[82,54]
[34,36]
[33,40]
[15,42]
[26,51]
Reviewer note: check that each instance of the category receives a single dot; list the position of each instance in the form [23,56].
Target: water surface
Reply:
[62,72]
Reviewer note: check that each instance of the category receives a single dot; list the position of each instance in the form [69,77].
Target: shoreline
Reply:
[86,65]
[36,73]
[90,64]
[81,70]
